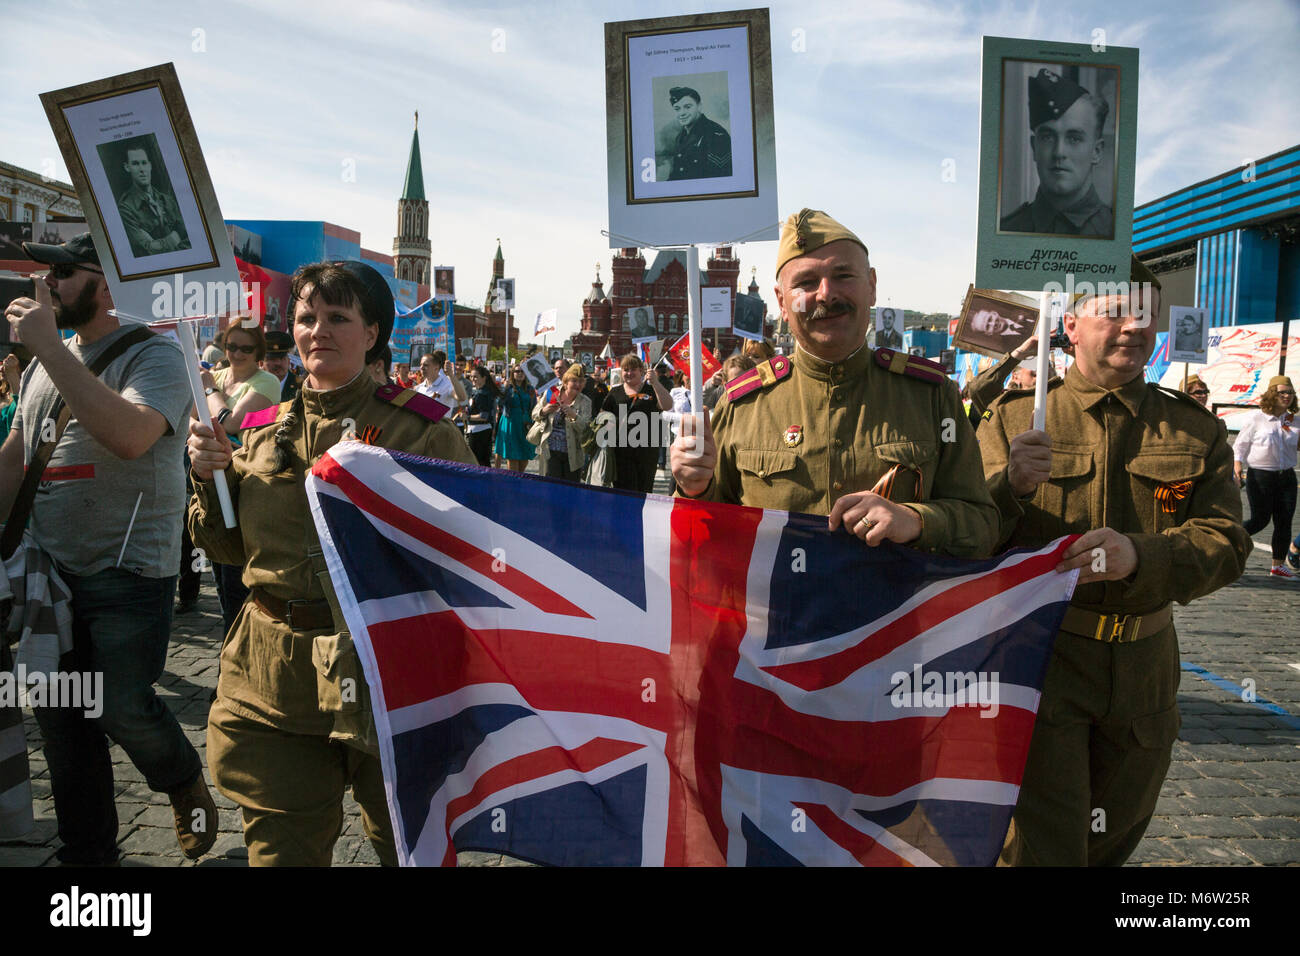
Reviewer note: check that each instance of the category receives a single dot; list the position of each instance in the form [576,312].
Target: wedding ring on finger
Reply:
[865,525]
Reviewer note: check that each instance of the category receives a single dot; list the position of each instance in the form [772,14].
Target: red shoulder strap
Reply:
[900,363]
[412,401]
[762,375]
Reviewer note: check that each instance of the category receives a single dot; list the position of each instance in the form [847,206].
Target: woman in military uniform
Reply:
[291,729]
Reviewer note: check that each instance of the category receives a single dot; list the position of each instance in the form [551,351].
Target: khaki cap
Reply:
[1277,380]
[1138,272]
[808,230]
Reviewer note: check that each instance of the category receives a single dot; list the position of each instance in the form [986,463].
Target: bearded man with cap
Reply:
[291,728]
[1066,123]
[114,455]
[1144,475]
[876,439]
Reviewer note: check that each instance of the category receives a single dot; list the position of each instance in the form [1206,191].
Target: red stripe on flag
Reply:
[864,849]
[540,763]
[830,670]
[758,732]
[426,657]
[517,582]
[711,551]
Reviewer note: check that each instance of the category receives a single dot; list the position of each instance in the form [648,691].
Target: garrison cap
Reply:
[1138,272]
[1277,380]
[808,230]
[1050,95]
[677,92]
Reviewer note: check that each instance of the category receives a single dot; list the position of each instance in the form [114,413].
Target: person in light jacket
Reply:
[564,414]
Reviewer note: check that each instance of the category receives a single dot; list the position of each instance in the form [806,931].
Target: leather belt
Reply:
[297,615]
[1117,628]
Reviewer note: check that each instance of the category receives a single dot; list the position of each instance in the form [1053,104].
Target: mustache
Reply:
[829,311]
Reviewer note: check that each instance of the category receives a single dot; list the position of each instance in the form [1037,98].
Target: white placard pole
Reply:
[1045,301]
[697,332]
[185,333]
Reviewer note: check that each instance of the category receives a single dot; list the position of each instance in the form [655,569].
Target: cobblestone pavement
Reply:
[1232,796]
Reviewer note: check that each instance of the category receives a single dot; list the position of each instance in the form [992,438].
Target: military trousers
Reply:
[290,790]
[1106,726]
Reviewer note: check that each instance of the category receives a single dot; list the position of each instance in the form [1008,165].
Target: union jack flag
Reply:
[574,675]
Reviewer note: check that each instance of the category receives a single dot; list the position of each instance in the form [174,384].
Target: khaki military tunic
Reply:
[832,429]
[1108,716]
[702,151]
[1087,217]
[288,700]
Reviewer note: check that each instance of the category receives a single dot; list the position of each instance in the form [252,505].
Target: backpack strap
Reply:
[22,507]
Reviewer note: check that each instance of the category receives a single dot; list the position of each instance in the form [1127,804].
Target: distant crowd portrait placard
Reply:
[1058,135]
[994,323]
[689,126]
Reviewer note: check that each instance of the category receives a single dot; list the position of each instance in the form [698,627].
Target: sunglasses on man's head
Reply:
[64,270]
[246,349]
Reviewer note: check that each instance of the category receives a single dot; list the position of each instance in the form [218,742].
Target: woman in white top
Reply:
[1265,451]
[241,387]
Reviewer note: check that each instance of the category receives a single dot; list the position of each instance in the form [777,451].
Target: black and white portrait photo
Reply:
[144,196]
[505,295]
[537,369]
[1058,149]
[993,324]
[641,324]
[692,126]
[1189,334]
[748,320]
[889,328]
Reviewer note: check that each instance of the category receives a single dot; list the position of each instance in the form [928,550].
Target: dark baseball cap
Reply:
[278,343]
[77,249]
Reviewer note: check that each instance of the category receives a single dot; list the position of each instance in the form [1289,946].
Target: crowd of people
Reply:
[879,445]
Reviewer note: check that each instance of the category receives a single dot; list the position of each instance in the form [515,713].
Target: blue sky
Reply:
[285,95]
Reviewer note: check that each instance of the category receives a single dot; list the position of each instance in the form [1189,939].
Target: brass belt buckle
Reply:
[1118,624]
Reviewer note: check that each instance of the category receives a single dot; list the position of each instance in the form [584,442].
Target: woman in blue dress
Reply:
[517,402]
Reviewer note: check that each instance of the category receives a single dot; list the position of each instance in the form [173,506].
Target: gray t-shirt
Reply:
[84,503]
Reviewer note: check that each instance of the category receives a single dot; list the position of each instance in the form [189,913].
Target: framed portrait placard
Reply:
[715,307]
[1189,334]
[889,327]
[505,295]
[994,323]
[689,125]
[1058,137]
[132,153]
[444,282]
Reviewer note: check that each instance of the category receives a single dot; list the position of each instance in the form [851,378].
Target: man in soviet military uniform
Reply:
[1066,124]
[702,148]
[1144,474]
[992,382]
[151,217]
[818,431]
[291,725]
